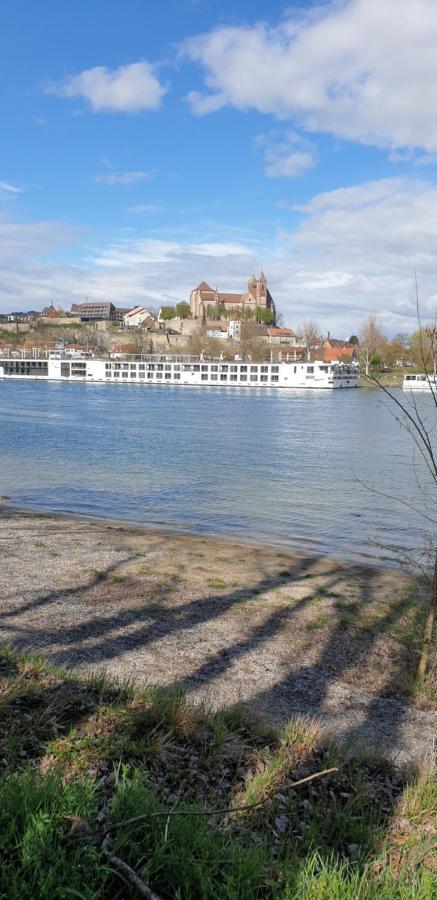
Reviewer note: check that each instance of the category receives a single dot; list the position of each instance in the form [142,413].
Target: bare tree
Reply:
[420,423]
[370,340]
[140,340]
[310,331]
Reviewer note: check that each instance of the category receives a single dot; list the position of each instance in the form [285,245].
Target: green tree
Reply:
[265,316]
[353,341]
[167,312]
[183,310]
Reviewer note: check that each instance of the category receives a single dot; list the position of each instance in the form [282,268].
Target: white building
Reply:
[138,316]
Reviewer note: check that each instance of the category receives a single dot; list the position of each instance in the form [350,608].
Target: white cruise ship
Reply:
[178,370]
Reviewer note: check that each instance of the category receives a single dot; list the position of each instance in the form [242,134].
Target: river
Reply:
[291,468]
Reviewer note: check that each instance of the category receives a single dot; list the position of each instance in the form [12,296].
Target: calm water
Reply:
[277,466]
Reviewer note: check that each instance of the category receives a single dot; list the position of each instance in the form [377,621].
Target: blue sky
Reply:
[148,146]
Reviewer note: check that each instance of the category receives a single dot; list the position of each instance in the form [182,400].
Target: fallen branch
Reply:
[129,873]
[213,812]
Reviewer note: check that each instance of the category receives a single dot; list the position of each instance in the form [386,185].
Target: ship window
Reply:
[168,374]
[214,377]
[186,368]
[233,368]
[150,374]
[204,377]
[204,368]
[264,369]
[233,377]
[294,369]
[177,375]
[275,377]
[243,368]
[243,377]
[116,374]
[141,374]
[310,369]
[141,367]
[160,367]
[254,368]
[223,377]
[224,368]
[196,368]
[65,370]
[214,368]
[124,374]
[263,377]
[254,377]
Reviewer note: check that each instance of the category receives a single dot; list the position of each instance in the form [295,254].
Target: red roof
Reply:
[281,332]
[334,353]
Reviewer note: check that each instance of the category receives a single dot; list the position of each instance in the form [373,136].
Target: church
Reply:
[208,303]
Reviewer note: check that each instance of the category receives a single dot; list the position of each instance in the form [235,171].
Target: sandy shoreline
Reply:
[229,621]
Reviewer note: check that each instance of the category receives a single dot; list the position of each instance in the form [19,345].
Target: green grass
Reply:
[216,583]
[79,754]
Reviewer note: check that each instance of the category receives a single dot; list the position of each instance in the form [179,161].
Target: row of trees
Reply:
[419,348]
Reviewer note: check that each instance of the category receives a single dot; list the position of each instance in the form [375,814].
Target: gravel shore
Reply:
[230,623]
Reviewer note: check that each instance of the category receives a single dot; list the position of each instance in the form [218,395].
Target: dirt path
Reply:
[230,623]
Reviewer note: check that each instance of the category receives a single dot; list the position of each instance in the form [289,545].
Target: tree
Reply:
[167,312]
[183,310]
[423,345]
[265,316]
[140,340]
[310,331]
[370,340]
[353,341]
[414,420]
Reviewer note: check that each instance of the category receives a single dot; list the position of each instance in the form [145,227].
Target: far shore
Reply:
[227,621]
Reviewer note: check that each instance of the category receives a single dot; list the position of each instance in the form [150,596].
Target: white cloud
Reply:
[112,179]
[364,70]
[287,155]
[354,253]
[8,188]
[130,89]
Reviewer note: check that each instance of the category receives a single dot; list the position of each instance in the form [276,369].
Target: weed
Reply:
[216,583]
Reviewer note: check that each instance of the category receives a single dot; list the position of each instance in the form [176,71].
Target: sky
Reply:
[147,146]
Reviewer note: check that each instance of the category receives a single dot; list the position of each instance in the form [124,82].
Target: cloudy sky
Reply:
[146,146]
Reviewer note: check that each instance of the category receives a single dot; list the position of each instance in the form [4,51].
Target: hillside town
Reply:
[211,322]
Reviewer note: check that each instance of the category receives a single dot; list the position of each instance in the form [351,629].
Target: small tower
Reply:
[261,290]
[251,286]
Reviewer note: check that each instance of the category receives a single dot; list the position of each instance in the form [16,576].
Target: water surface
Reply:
[282,467]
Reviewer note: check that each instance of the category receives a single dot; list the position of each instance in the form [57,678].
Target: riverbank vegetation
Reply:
[108,790]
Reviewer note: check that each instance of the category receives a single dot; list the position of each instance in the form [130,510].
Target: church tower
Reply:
[261,290]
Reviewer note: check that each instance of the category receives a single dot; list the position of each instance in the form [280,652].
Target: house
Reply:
[94,312]
[217,331]
[333,354]
[139,316]
[207,302]
[283,336]
[234,330]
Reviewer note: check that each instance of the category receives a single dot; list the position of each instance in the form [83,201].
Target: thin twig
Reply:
[213,812]
[129,873]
